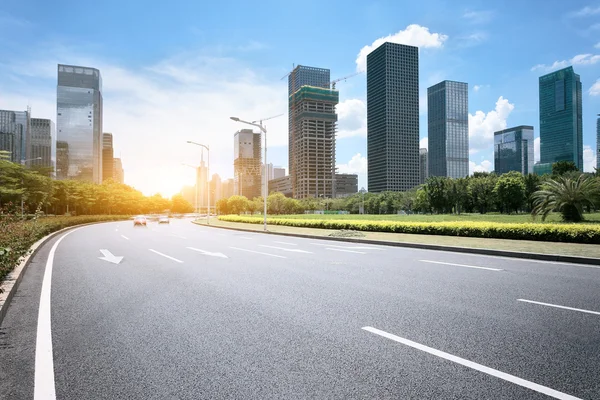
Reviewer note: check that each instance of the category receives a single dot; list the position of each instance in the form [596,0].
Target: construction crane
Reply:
[266,119]
[344,78]
[288,74]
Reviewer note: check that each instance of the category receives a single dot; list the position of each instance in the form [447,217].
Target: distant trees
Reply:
[563,167]
[180,205]
[510,192]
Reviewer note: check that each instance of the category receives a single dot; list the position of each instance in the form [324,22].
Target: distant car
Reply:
[163,220]
[139,220]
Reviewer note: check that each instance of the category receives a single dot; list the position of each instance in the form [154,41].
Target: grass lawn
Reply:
[491,217]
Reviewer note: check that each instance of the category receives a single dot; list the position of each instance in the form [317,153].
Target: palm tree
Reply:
[566,195]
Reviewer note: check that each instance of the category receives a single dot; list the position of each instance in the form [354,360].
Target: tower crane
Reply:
[333,82]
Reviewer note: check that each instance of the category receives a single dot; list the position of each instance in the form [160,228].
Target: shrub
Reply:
[571,233]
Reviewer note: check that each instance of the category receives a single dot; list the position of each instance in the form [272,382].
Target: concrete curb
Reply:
[13,279]
[455,249]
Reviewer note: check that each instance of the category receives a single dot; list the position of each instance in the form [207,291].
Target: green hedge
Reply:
[17,236]
[571,233]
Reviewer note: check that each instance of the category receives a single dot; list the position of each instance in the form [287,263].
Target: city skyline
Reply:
[239,74]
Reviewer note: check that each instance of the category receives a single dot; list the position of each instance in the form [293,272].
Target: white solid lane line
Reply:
[257,252]
[166,256]
[286,243]
[44,387]
[346,251]
[284,249]
[461,265]
[124,237]
[470,364]
[557,306]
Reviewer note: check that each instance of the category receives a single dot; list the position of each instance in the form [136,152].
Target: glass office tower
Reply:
[393,118]
[42,143]
[561,132]
[513,150]
[448,129]
[79,123]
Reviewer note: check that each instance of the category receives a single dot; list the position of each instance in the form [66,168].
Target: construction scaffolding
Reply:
[312,142]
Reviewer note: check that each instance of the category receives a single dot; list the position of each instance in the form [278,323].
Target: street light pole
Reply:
[207,182]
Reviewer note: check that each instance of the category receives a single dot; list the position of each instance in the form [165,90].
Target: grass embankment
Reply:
[550,232]
[17,236]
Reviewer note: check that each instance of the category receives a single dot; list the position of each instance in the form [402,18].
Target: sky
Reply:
[176,71]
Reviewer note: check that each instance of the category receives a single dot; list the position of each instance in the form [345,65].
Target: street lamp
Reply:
[23,162]
[196,185]
[207,182]
[263,130]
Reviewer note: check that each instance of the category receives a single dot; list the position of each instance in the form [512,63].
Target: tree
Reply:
[567,196]
[436,188]
[252,206]
[532,185]
[562,167]
[460,194]
[180,205]
[222,206]
[276,203]
[422,201]
[510,191]
[481,191]
[237,204]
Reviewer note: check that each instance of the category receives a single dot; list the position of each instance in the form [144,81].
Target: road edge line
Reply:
[455,249]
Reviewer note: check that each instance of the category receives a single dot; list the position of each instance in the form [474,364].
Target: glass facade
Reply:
[79,123]
[513,150]
[12,136]
[448,129]
[42,142]
[561,131]
[423,165]
[393,117]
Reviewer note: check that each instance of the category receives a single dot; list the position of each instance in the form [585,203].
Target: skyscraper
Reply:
[247,163]
[118,171]
[393,117]
[202,182]
[12,136]
[448,129]
[107,157]
[301,76]
[79,122]
[313,141]
[423,165]
[42,142]
[278,172]
[513,150]
[561,132]
[216,190]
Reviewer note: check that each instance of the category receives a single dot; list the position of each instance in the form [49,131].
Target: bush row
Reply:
[589,234]
[17,236]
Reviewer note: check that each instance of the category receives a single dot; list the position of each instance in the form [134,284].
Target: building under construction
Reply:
[313,124]
[247,165]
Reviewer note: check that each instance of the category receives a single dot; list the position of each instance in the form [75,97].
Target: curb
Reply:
[13,279]
[455,249]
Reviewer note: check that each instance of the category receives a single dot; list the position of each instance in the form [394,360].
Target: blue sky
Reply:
[175,71]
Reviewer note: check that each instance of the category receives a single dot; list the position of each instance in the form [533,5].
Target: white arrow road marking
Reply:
[284,249]
[208,253]
[108,256]
[166,256]
[44,387]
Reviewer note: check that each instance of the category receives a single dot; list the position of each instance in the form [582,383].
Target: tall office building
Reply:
[228,188]
[42,143]
[118,171]
[301,76]
[393,117]
[216,190]
[513,150]
[247,163]
[598,144]
[278,172]
[346,185]
[12,136]
[423,165]
[202,182]
[561,131]
[448,129]
[107,157]
[79,122]
[314,123]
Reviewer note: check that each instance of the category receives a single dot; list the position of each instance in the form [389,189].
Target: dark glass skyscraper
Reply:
[561,132]
[448,129]
[513,150]
[42,142]
[79,123]
[393,117]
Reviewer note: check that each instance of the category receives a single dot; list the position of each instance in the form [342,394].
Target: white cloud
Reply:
[597,45]
[482,126]
[478,17]
[473,39]
[589,159]
[352,114]
[424,143]
[595,89]
[477,88]
[413,35]
[536,149]
[580,59]
[586,12]
[484,166]
[356,165]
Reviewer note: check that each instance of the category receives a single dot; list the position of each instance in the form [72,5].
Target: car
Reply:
[163,220]
[140,220]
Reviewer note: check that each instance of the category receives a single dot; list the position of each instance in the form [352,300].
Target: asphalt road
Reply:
[194,312]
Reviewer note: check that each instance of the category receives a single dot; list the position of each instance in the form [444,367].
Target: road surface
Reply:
[192,312]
